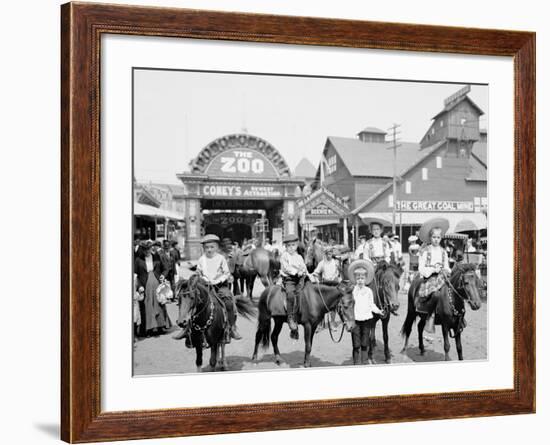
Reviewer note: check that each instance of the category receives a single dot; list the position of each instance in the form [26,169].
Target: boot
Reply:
[179,335]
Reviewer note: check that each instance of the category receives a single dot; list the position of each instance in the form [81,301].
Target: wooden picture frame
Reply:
[82,26]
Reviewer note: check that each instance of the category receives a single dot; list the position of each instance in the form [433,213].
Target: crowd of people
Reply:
[157,264]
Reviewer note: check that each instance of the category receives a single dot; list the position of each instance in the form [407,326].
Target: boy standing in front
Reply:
[361,273]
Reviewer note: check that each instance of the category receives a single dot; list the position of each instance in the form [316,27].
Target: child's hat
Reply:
[426,228]
[359,266]
[290,239]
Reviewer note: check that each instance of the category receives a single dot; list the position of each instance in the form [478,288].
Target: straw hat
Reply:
[210,239]
[290,239]
[425,229]
[359,265]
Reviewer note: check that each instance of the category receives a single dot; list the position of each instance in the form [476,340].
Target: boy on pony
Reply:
[213,269]
[293,271]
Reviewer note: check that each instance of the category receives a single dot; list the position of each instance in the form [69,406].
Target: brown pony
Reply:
[204,314]
[260,263]
[315,301]
[448,304]
[385,288]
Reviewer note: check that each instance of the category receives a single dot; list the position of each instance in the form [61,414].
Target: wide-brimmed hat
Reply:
[362,236]
[290,239]
[146,244]
[357,265]
[412,238]
[425,229]
[328,249]
[210,238]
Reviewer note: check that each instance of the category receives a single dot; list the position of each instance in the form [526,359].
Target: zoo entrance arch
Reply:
[238,174]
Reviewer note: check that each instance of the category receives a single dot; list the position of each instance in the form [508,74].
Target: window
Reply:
[441,123]
[433,130]
[462,121]
[424,174]
[390,201]
[408,187]
[438,161]
[331,164]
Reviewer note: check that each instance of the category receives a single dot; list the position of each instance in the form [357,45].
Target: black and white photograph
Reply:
[291,221]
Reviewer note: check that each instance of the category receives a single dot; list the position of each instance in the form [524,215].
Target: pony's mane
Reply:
[383,266]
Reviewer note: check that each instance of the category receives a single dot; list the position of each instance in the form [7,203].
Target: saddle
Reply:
[276,301]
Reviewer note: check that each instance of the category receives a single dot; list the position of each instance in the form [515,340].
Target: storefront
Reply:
[237,183]
[323,211]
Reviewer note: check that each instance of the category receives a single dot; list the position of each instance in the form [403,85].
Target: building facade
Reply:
[238,186]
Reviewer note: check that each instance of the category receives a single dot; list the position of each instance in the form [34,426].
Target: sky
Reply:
[177,113]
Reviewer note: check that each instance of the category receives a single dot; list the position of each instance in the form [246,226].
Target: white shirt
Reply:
[364,303]
[376,248]
[292,264]
[429,257]
[328,270]
[360,250]
[214,269]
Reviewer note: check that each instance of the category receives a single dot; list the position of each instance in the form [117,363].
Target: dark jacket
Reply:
[140,268]
[168,267]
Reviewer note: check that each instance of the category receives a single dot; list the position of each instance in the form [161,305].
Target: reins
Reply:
[328,319]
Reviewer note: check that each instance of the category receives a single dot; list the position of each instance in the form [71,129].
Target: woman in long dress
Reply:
[150,273]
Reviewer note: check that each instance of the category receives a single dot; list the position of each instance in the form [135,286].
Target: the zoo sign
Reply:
[241,163]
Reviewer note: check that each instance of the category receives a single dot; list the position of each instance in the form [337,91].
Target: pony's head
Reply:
[346,305]
[465,280]
[387,278]
[188,296]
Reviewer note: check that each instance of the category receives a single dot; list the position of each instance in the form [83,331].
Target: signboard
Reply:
[241,163]
[435,206]
[457,95]
[241,191]
[226,219]
[321,210]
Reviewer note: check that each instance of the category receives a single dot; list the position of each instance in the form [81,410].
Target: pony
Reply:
[448,303]
[315,301]
[385,288]
[204,313]
[259,263]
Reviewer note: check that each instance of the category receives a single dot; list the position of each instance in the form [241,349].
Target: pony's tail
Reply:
[245,307]
[406,329]
[264,318]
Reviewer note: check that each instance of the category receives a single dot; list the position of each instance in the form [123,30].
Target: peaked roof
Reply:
[374,159]
[453,104]
[305,169]
[427,152]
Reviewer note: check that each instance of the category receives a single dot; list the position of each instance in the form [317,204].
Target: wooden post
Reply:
[346,231]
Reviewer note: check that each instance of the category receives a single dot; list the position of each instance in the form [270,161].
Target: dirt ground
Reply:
[164,355]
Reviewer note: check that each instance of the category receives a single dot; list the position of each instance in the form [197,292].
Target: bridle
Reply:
[339,310]
[460,292]
[195,294]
